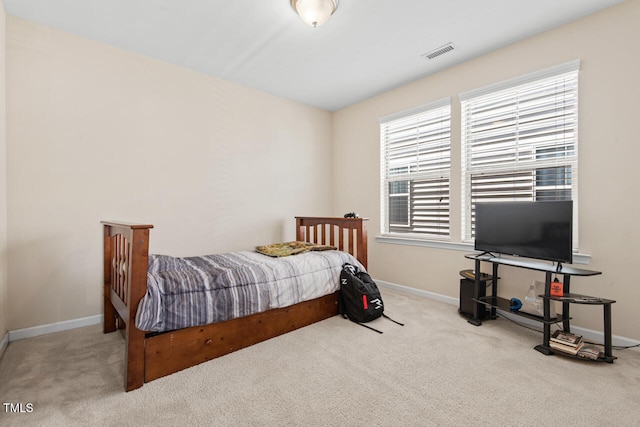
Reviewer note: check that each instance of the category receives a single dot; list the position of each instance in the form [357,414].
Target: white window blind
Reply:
[520,142]
[415,169]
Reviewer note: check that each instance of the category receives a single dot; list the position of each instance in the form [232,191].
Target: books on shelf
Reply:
[566,341]
[566,348]
[591,351]
[573,344]
[566,338]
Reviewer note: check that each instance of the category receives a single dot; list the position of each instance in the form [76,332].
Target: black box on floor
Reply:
[467,288]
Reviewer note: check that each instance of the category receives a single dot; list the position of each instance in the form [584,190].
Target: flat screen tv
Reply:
[540,230]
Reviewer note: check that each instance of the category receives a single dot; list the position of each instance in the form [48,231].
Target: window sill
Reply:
[578,258]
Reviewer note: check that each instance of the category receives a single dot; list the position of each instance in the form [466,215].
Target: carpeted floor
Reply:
[438,370]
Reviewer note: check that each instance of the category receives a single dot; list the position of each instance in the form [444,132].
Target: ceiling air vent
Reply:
[439,51]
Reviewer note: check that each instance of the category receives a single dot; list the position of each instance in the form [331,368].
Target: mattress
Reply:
[194,291]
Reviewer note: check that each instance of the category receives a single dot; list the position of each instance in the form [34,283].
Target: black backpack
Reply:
[360,300]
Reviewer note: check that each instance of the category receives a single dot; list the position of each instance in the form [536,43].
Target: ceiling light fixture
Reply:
[314,12]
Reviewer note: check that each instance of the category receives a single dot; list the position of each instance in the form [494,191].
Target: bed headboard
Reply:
[347,234]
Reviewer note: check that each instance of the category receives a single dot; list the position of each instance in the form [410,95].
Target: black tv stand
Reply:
[494,302]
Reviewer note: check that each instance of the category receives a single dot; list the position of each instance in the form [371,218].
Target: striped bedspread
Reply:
[193,291]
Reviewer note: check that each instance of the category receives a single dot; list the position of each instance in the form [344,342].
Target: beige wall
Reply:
[3,182]
[606,44]
[97,133]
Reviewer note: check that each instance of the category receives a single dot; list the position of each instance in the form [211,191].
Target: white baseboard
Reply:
[589,334]
[51,328]
[418,292]
[3,344]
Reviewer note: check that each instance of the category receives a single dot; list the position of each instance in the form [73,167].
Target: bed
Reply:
[153,354]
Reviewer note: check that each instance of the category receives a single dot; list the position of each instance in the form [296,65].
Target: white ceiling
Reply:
[367,47]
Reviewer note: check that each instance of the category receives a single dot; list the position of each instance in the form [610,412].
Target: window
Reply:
[519,142]
[415,168]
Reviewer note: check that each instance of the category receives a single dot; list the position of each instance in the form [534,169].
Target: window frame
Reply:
[417,171]
[538,160]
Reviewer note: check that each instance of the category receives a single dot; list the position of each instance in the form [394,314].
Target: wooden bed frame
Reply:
[149,356]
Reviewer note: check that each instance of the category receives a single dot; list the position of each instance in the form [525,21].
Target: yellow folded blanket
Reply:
[291,248]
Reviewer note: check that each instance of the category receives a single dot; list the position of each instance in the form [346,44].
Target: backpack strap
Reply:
[368,327]
[341,305]
[374,329]
[394,321]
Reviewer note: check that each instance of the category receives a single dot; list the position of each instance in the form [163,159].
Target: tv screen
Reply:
[541,230]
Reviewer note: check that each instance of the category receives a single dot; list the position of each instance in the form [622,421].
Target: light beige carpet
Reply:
[438,370]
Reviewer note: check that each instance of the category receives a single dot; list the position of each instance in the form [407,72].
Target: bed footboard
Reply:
[126,260]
